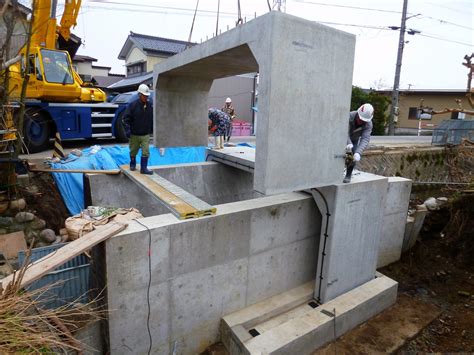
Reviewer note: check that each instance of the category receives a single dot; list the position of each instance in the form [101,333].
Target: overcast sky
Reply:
[431,60]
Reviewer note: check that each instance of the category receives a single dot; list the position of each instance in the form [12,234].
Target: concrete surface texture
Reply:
[394,220]
[212,182]
[203,269]
[299,113]
[353,234]
[303,328]
[239,157]
[120,191]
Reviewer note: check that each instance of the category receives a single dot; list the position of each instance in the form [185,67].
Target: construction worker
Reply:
[138,123]
[360,129]
[218,124]
[229,109]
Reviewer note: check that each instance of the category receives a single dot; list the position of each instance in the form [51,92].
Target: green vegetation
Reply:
[380,103]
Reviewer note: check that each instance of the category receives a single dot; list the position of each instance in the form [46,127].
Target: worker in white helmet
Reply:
[229,109]
[138,123]
[360,129]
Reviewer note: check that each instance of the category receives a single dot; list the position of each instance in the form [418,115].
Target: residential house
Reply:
[18,15]
[141,52]
[409,118]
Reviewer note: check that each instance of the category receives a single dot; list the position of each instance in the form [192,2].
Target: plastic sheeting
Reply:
[71,185]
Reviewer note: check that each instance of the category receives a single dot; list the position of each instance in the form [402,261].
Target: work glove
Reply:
[349,147]
[356,156]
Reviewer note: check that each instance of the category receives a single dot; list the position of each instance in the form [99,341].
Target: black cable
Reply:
[326,236]
[149,286]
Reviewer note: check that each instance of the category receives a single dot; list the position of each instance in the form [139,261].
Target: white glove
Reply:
[349,147]
[356,156]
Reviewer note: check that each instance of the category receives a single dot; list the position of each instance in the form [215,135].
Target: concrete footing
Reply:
[292,323]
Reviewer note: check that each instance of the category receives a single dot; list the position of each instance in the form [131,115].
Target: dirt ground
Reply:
[440,270]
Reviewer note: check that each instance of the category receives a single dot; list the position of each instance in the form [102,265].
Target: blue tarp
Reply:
[71,185]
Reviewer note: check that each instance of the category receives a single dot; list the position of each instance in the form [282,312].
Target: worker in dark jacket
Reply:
[360,129]
[138,123]
[218,124]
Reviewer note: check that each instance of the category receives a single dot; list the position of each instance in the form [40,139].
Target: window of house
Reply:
[137,68]
[414,113]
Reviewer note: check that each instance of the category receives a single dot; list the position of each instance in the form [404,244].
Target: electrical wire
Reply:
[148,287]
[192,25]
[446,40]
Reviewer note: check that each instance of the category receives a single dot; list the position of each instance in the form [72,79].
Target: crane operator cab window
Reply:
[56,67]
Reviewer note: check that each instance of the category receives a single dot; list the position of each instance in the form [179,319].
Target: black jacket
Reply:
[138,118]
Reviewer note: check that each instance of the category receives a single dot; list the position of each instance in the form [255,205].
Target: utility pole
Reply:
[398,67]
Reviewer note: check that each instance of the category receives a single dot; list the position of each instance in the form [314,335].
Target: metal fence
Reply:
[453,132]
[71,279]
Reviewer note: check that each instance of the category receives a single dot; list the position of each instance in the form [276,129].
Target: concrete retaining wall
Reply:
[203,269]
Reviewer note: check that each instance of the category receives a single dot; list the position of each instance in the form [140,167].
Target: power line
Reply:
[348,7]
[382,10]
[446,22]
[446,40]
[164,7]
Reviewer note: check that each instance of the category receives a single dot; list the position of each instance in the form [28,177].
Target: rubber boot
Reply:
[143,166]
[216,142]
[133,163]
[221,142]
[349,170]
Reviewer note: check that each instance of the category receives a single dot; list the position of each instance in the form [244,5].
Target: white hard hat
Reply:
[228,100]
[366,112]
[144,90]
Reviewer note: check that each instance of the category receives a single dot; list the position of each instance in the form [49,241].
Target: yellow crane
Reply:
[57,100]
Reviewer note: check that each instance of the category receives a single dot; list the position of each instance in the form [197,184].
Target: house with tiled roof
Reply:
[96,74]
[140,53]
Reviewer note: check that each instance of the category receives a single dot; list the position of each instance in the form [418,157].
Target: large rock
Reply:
[6,221]
[24,217]
[48,235]
[38,224]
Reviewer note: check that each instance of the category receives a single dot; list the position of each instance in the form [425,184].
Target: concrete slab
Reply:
[295,58]
[239,157]
[304,328]
[349,247]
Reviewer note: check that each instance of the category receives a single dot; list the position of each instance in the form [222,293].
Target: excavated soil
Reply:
[43,199]
[440,270]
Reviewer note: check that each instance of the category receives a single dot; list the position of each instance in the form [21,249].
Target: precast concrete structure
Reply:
[304,95]
[170,281]
[252,249]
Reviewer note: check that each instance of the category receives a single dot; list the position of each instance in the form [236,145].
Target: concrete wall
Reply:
[296,59]
[120,191]
[203,269]
[394,220]
[353,234]
[212,182]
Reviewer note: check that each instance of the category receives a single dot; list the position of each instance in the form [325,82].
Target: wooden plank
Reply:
[51,261]
[85,171]
[182,209]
